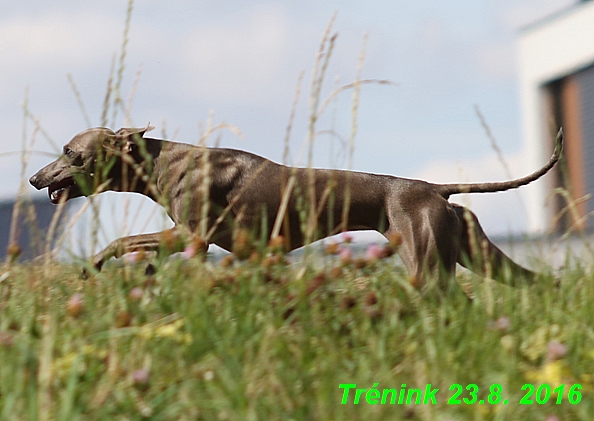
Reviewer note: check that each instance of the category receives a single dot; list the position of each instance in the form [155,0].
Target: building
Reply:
[556,59]
[31,229]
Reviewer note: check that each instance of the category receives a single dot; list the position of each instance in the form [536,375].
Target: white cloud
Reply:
[58,38]
[433,34]
[518,15]
[499,213]
[236,61]
[39,51]
[497,61]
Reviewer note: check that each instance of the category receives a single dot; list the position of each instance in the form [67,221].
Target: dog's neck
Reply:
[132,172]
[147,158]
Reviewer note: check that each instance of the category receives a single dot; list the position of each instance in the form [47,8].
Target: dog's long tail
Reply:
[448,189]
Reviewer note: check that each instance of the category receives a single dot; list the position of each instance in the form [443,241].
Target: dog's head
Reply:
[87,162]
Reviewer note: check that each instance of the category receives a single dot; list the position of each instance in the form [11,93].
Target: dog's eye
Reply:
[73,156]
[70,153]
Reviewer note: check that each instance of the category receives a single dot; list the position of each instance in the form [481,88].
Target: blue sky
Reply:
[240,61]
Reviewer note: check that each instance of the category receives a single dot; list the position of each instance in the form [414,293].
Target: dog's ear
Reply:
[127,131]
[126,137]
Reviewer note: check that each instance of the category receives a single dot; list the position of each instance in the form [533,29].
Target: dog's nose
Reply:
[33,180]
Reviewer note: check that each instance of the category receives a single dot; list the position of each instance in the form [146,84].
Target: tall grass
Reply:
[264,339]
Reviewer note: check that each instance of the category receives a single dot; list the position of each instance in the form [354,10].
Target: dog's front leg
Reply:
[170,240]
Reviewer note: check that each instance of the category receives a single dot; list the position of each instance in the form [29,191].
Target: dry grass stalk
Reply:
[354,114]
[578,222]
[13,234]
[117,103]
[320,67]
[79,99]
[494,144]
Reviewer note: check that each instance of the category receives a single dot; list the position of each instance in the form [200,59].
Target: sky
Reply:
[188,63]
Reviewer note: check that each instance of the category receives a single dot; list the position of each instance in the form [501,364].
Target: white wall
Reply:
[547,51]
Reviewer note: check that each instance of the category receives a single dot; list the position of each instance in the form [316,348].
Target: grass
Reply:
[264,339]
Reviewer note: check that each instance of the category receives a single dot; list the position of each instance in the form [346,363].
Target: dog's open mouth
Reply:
[55,191]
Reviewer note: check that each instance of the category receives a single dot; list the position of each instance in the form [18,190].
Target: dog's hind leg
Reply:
[481,256]
[427,249]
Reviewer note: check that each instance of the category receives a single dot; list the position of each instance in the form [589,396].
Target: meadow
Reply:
[268,339]
[331,335]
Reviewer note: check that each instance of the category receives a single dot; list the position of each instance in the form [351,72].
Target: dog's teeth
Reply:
[57,194]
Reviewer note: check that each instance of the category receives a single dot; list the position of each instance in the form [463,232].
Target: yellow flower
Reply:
[62,365]
[166,331]
[145,332]
[170,331]
[554,373]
